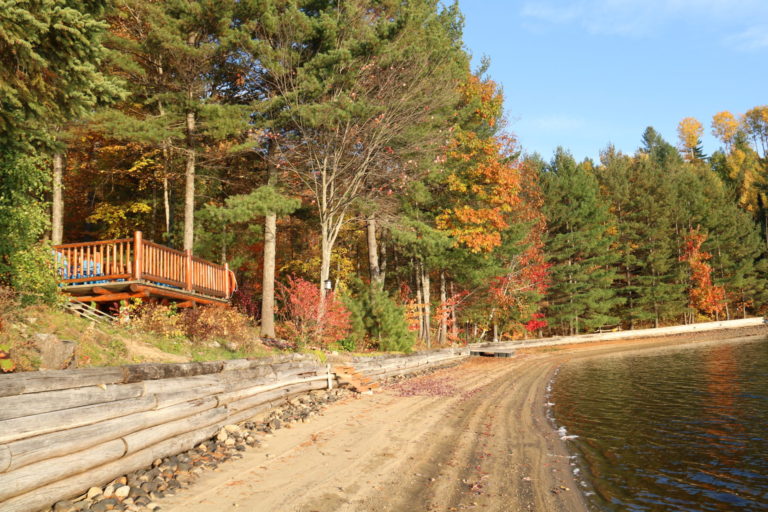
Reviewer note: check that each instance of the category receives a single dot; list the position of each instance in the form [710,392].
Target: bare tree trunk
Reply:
[167,206]
[383,270]
[442,337]
[419,299]
[268,270]
[57,208]
[454,320]
[189,189]
[427,307]
[268,277]
[495,331]
[373,253]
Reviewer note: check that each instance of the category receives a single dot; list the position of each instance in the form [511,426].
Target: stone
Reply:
[122,491]
[92,493]
[55,354]
[229,442]
[109,491]
[232,428]
[64,506]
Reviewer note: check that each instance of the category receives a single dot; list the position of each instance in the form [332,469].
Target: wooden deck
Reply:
[114,270]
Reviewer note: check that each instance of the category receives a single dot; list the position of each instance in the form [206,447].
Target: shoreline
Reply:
[471,437]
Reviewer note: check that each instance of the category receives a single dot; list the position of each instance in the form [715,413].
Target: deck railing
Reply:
[136,259]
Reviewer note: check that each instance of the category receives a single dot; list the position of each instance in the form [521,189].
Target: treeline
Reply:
[349,144]
[665,236]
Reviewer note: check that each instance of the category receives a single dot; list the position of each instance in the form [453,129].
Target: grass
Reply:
[100,345]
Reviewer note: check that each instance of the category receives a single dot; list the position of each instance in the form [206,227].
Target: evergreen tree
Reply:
[580,248]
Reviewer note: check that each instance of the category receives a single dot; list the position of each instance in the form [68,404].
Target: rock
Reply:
[109,491]
[275,424]
[55,354]
[157,462]
[92,493]
[229,442]
[232,428]
[122,491]
[222,435]
[64,506]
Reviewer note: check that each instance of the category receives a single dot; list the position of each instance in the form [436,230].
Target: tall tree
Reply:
[185,62]
[580,248]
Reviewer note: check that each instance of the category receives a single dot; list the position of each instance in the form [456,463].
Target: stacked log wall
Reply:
[62,432]
[383,367]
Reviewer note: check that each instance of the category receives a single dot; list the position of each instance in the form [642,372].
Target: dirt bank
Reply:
[473,437]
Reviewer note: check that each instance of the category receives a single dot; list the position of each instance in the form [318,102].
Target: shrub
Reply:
[300,307]
[217,323]
[377,316]
[34,275]
[156,318]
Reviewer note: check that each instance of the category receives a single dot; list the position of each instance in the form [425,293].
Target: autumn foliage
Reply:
[304,322]
[703,295]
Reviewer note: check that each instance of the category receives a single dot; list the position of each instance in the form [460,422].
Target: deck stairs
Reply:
[89,312]
[349,377]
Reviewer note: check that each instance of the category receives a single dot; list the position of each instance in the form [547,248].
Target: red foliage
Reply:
[536,322]
[703,295]
[301,305]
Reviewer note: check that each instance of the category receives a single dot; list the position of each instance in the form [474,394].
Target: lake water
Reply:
[666,430]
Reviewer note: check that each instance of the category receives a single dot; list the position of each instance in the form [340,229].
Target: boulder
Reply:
[55,354]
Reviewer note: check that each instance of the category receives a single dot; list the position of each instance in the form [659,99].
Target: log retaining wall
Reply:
[64,431]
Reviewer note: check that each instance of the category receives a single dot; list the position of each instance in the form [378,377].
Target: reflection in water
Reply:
[675,429]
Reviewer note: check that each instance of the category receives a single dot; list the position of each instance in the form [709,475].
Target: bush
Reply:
[34,275]
[300,308]
[377,316]
[156,318]
[217,323]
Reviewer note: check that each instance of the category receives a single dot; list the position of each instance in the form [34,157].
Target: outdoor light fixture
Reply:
[328,284]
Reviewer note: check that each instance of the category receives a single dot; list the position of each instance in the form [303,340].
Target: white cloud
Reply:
[640,17]
[753,38]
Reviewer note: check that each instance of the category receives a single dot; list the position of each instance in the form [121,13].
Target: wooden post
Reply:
[138,255]
[226,280]
[188,283]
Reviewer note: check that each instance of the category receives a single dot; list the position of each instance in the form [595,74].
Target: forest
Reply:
[346,160]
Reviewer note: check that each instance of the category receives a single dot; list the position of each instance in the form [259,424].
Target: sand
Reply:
[471,437]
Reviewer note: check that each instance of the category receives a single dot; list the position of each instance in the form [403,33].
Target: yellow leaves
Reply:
[119,220]
[689,131]
[725,126]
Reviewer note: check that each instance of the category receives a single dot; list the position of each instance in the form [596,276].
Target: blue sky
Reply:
[584,73]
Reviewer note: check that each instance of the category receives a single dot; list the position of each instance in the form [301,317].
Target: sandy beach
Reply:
[470,437]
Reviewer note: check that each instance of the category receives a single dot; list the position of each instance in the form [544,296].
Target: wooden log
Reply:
[179,383]
[36,475]
[75,485]
[20,428]
[47,401]
[98,290]
[153,371]
[55,444]
[226,398]
[5,458]
[165,292]
[268,396]
[177,397]
[142,439]
[51,380]
[112,297]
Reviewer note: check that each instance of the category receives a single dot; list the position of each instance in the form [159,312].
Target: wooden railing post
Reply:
[226,280]
[188,282]
[138,255]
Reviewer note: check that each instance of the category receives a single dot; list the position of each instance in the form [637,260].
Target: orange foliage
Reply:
[703,295]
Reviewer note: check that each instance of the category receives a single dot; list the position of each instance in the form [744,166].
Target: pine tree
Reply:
[580,248]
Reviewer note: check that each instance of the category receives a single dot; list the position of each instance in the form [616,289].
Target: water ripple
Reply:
[678,430]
